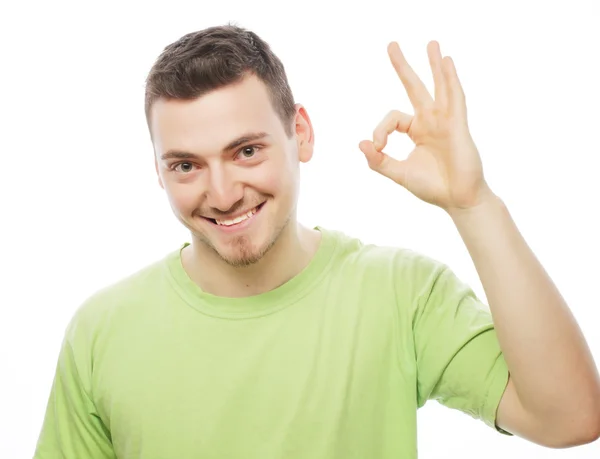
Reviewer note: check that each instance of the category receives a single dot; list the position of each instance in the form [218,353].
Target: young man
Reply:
[263,338]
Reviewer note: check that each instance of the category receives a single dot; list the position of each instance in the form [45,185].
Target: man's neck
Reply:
[292,252]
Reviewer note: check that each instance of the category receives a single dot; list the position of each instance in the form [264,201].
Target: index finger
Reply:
[415,89]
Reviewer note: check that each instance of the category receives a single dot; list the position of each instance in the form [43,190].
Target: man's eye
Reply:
[184,167]
[248,152]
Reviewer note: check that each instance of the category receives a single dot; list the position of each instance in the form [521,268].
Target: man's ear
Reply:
[305,135]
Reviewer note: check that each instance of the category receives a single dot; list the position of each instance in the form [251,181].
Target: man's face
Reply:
[229,170]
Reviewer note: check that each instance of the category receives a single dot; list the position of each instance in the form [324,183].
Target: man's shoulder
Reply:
[140,286]
[406,273]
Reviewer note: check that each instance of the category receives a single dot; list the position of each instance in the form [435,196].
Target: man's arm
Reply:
[71,428]
[553,395]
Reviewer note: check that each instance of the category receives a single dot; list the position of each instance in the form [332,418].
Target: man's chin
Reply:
[242,253]
[241,261]
[243,250]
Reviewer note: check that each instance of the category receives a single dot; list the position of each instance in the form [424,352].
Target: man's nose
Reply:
[224,191]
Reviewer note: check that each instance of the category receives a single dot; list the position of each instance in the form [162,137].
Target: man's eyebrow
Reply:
[250,137]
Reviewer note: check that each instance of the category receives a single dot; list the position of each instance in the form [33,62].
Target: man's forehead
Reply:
[213,128]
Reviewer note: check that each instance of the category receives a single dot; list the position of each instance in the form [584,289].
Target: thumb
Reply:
[382,163]
[374,157]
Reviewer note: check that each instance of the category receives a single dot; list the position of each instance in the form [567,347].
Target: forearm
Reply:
[550,363]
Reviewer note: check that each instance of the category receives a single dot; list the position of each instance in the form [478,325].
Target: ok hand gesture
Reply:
[444,168]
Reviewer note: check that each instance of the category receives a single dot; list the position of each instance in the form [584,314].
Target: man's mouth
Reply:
[237,220]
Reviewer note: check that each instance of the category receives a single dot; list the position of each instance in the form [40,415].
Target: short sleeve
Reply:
[459,360]
[71,428]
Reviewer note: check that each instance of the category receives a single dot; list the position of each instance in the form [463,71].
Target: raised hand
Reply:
[444,168]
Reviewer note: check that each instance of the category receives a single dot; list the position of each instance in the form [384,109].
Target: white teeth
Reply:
[236,220]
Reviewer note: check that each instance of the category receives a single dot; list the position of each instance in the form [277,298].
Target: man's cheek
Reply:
[276,182]
[183,200]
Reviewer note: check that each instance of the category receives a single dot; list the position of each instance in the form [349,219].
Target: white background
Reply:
[81,206]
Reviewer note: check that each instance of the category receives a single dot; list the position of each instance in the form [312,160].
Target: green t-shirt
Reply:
[332,364]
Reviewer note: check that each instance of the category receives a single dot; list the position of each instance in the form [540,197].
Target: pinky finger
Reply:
[454,90]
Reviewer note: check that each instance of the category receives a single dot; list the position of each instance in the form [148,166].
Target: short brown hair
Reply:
[209,59]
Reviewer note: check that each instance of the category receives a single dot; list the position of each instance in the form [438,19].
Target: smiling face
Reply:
[230,171]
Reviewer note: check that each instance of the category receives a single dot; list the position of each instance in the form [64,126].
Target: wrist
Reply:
[485,205]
